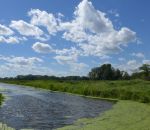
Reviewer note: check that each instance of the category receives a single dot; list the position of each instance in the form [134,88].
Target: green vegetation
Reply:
[6,127]
[107,72]
[1,98]
[136,90]
[103,82]
[125,115]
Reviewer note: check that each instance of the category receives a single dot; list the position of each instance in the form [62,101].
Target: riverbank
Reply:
[135,90]
[125,115]
[1,98]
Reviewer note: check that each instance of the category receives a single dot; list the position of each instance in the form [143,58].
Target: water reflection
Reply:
[43,110]
[5,127]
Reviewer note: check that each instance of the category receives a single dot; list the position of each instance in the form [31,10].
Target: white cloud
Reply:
[70,57]
[121,59]
[42,47]
[146,62]
[21,61]
[5,31]
[8,40]
[132,66]
[78,67]
[94,32]
[26,29]
[90,18]
[23,66]
[131,62]
[138,55]
[63,59]
[42,18]
[11,39]
[75,67]
[68,51]
[114,12]
[91,30]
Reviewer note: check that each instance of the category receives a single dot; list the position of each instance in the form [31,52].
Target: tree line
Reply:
[103,72]
[107,72]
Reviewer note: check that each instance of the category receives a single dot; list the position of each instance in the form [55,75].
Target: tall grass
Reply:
[136,90]
[1,98]
[125,115]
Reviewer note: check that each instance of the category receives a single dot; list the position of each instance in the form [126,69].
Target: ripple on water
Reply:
[37,109]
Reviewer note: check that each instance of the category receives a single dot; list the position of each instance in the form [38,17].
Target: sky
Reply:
[70,37]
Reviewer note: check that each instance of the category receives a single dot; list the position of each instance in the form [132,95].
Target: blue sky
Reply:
[70,37]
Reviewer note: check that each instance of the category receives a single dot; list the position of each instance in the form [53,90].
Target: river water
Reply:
[37,109]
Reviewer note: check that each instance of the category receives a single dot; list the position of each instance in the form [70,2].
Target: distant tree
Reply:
[137,75]
[95,73]
[118,74]
[105,72]
[146,69]
[125,76]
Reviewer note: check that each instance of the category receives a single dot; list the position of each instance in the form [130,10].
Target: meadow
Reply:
[135,90]
[125,115]
[130,112]
[1,98]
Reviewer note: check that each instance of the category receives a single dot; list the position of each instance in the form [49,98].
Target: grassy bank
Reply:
[1,98]
[125,115]
[136,90]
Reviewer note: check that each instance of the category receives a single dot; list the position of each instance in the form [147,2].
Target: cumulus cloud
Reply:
[90,18]
[70,57]
[42,47]
[5,30]
[65,59]
[21,61]
[138,55]
[146,61]
[42,18]
[78,67]
[23,66]
[94,32]
[68,51]
[25,28]
[72,62]
[132,66]
[91,30]
[12,39]
[9,40]
[114,12]
[121,59]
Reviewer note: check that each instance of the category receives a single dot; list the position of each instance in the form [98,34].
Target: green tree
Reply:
[146,70]
[125,75]
[105,72]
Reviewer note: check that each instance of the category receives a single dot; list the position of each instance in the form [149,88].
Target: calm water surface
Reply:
[43,110]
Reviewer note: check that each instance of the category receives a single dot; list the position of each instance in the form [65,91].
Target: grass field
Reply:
[125,115]
[131,112]
[1,98]
[136,90]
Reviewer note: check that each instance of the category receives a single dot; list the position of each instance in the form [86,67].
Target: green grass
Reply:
[1,98]
[6,127]
[136,90]
[125,115]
